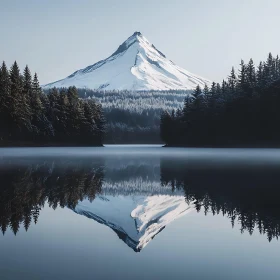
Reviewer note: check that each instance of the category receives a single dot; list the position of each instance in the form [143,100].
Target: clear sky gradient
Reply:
[57,37]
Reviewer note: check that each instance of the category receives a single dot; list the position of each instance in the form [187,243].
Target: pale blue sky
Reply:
[57,37]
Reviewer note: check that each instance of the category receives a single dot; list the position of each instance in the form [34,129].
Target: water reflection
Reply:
[248,196]
[138,198]
[26,187]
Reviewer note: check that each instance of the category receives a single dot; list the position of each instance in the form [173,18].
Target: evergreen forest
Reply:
[242,111]
[28,117]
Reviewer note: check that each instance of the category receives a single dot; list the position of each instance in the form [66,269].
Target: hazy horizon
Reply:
[56,38]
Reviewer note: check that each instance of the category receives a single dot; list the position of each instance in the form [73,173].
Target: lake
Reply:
[139,212]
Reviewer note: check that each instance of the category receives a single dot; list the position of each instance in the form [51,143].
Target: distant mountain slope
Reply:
[136,65]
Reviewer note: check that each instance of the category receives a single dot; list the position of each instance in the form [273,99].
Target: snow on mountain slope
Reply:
[136,65]
[136,219]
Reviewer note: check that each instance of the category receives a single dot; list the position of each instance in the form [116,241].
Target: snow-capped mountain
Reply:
[136,219]
[136,65]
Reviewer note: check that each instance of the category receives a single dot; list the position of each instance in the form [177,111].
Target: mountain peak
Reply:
[136,65]
[137,33]
[135,37]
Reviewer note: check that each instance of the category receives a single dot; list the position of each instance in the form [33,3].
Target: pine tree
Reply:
[4,227]
[89,127]
[251,78]
[46,126]
[20,116]
[251,73]
[207,95]
[242,81]
[4,84]
[5,102]
[218,90]
[197,98]
[39,120]
[213,97]
[75,113]
[270,70]
[260,76]
[232,81]
[27,82]
[27,220]
[225,90]
[36,96]
[27,91]
[72,94]
[219,97]
[53,111]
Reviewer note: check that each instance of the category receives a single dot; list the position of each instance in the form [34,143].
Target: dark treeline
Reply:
[29,117]
[242,111]
[134,116]
[247,197]
[24,189]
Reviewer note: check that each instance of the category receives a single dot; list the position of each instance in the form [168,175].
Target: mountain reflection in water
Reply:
[139,198]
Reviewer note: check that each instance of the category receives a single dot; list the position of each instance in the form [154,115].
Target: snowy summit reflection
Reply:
[136,219]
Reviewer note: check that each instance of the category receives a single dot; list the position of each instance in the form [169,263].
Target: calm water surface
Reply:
[139,212]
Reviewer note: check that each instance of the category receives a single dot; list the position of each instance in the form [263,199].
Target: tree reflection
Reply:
[247,196]
[24,189]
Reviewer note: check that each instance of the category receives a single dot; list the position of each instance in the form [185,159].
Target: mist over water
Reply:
[231,156]
[124,211]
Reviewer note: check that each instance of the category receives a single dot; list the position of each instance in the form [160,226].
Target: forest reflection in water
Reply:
[247,195]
